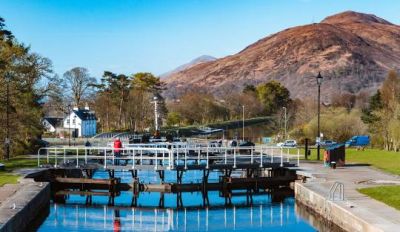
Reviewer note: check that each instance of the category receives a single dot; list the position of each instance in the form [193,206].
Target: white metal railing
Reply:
[169,155]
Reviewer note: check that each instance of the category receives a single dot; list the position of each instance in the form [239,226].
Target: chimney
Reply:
[87,106]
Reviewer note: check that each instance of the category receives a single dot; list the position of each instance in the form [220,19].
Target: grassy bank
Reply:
[385,160]
[6,176]
[389,195]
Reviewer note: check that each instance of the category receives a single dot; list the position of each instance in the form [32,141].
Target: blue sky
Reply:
[128,36]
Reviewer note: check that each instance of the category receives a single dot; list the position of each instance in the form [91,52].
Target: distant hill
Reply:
[198,60]
[353,51]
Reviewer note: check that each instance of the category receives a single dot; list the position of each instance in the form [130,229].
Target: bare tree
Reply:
[79,82]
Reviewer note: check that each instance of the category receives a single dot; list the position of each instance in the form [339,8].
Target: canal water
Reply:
[265,213]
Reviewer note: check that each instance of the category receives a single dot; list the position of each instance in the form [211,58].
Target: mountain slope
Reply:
[353,51]
[198,60]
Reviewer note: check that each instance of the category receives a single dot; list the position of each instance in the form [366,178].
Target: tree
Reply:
[79,82]
[273,95]
[24,75]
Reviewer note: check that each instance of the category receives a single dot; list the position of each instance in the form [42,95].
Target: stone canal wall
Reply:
[335,212]
[18,212]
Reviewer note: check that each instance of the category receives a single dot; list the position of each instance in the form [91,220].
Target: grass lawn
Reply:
[6,177]
[388,161]
[389,195]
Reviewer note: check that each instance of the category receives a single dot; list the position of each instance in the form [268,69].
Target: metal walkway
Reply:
[164,156]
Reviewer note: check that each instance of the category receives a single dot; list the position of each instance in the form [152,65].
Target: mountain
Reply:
[353,51]
[198,60]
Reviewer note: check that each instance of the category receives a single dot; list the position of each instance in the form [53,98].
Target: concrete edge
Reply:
[19,211]
[332,211]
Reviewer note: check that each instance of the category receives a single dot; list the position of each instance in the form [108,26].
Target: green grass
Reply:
[6,177]
[388,161]
[389,195]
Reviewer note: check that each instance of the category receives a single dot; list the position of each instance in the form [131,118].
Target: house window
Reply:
[73,121]
[68,121]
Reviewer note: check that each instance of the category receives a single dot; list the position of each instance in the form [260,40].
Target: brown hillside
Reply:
[354,52]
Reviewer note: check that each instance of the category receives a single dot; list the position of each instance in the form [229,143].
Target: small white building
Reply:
[52,124]
[81,122]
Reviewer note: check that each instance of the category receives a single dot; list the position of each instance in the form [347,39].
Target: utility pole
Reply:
[243,122]
[285,123]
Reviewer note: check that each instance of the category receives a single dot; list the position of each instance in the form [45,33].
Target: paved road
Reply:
[353,178]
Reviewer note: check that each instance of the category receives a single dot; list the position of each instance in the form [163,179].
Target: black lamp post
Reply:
[319,82]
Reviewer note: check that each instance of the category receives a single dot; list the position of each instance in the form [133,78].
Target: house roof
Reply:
[85,114]
[54,121]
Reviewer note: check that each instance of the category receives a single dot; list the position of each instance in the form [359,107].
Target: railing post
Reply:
[65,158]
[261,157]
[77,157]
[272,154]
[105,158]
[288,155]
[298,157]
[47,155]
[234,157]
[198,156]
[141,156]
[207,166]
[252,152]
[55,161]
[171,161]
[226,154]
[85,155]
[133,158]
[281,157]
[155,158]
[38,157]
[185,158]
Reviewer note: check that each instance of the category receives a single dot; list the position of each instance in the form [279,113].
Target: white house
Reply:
[81,122]
[52,124]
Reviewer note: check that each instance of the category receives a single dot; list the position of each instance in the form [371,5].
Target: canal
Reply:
[266,212]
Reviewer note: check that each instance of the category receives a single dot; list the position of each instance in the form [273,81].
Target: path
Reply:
[369,210]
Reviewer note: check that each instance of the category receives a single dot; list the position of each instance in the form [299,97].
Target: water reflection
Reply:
[274,217]
[272,211]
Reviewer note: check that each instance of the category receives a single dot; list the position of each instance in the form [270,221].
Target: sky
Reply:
[129,36]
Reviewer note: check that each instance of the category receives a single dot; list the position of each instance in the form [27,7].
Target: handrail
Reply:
[332,191]
[169,157]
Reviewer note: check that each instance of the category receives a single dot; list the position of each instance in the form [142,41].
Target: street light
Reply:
[319,82]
